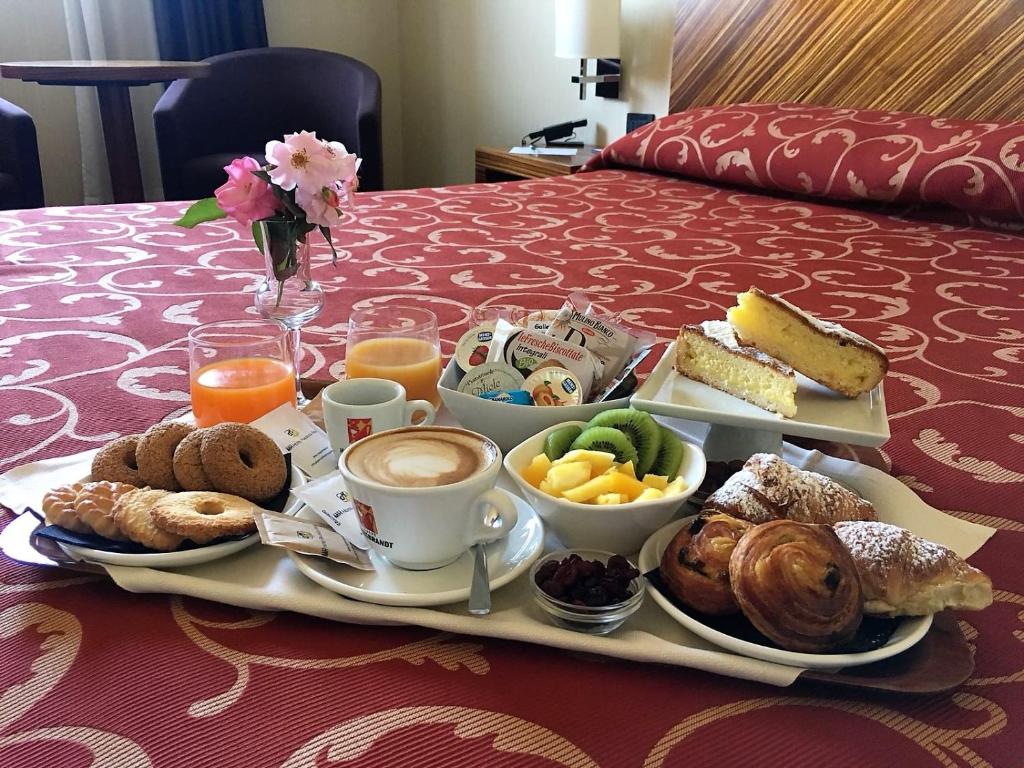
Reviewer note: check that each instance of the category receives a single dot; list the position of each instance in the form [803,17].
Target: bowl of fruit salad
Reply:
[608,483]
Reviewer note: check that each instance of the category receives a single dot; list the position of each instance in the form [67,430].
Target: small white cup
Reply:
[358,408]
[430,527]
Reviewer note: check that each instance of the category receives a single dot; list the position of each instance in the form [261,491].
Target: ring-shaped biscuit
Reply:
[243,461]
[116,462]
[188,464]
[155,453]
[204,515]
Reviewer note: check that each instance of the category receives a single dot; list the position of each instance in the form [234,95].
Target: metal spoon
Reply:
[480,587]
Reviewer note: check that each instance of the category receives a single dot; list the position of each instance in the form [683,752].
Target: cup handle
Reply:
[507,517]
[420,405]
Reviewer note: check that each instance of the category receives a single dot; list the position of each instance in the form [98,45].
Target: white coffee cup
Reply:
[357,408]
[424,495]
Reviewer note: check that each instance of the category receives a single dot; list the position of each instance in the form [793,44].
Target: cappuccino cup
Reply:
[424,495]
[358,408]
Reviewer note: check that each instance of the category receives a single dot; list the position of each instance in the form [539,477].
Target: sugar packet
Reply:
[295,433]
[310,539]
[330,500]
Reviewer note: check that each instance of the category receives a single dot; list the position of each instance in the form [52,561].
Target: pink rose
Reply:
[244,197]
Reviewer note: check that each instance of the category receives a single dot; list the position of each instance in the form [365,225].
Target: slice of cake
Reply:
[710,353]
[820,350]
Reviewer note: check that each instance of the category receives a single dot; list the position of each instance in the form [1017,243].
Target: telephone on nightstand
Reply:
[553,133]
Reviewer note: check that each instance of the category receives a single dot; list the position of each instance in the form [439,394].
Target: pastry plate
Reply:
[821,413]
[909,631]
[390,585]
[183,557]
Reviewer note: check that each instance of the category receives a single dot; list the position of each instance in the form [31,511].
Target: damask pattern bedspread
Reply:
[95,305]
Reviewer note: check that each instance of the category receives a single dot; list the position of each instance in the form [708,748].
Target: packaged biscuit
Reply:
[610,341]
[528,351]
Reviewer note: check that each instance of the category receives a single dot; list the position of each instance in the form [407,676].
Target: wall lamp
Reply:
[589,29]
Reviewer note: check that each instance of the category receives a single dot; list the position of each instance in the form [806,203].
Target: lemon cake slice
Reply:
[826,352]
[710,353]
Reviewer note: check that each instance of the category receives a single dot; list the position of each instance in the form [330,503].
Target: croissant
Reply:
[797,585]
[905,575]
[695,564]
[767,488]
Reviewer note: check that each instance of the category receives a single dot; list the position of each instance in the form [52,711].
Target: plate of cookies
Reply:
[771,366]
[173,496]
[790,566]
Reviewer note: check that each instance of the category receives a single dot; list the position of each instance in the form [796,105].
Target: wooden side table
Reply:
[112,79]
[498,164]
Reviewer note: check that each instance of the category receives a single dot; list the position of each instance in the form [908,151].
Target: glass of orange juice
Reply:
[239,370]
[396,343]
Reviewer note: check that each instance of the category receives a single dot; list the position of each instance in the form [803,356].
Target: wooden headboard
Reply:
[955,58]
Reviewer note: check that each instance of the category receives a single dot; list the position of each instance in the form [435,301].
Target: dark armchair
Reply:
[257,95]
[21,182]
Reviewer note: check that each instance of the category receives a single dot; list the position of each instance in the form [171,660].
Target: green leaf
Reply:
[257,235]
[326,232]
[200,211]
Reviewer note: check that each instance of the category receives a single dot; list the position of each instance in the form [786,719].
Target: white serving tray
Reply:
[821,413]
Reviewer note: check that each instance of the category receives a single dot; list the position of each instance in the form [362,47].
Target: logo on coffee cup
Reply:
[359,428]
[365,514]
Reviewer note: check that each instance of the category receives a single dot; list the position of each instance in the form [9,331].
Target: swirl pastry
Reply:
[768,488]
[905,575]
[695,564]
[798,585]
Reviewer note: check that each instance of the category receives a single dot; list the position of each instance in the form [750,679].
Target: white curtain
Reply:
[113,29]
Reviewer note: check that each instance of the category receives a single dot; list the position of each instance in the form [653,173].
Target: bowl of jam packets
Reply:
[514,376]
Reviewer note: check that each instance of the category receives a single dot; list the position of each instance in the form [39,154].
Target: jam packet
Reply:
[309,539]
[328,497]
[295,432]
[528,351]
[583,323]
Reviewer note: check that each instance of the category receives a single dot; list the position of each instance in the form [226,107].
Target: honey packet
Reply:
[528,351]
[581,322]
[309,539]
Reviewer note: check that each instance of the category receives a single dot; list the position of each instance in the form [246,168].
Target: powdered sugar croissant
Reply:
[768,488]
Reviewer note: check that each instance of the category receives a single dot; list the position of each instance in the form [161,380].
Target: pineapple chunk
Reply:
[537,469]
[546,488]
[611,498]
[650,493]
[676,487]
[628,469]
[655,481]
[601,484]
[599,461]
[562,477]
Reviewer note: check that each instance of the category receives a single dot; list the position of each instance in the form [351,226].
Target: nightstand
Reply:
[498,164]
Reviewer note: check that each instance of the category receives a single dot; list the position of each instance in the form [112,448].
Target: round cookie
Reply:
[155,453]
[115,462]
[94,506]
[133,514]
[204,515]
[188,464]
[59,508]
[243,461]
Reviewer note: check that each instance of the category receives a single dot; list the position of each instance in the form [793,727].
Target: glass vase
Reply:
[288,293]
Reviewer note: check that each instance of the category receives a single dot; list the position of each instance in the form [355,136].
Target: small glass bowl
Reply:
[598,620]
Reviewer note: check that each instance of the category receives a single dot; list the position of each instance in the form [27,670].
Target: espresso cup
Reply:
[424,495]
[358,408]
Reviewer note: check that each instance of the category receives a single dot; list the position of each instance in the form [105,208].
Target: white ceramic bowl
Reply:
[507,424]
[620,528]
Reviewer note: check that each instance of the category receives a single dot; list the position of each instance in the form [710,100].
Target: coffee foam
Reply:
[420,458]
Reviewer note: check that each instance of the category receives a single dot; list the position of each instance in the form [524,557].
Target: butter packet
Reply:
[527,351]
[328,497]
[309,539]
[295,433]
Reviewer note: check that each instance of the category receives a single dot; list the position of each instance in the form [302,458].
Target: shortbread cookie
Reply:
[59,508]
[188,464]
[204,515]
[155,453]
[133,514]
[243,461]
[94,506]
[116,462]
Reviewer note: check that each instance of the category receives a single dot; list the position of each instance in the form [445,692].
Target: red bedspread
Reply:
[95,304]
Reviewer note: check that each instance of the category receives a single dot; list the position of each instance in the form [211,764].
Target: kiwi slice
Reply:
[557,443]
[606,439]
[670,455]
[642,430]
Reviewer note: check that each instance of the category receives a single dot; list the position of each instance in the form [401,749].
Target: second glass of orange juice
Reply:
[396,343]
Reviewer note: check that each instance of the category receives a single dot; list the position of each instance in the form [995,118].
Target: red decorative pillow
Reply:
[837,153]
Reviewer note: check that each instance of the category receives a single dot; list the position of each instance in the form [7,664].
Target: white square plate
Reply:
[820,412]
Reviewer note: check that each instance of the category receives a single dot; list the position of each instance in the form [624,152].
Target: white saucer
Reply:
[391,585]
[184,557]
[909,631]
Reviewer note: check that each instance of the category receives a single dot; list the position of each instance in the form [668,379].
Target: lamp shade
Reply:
[587,29]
